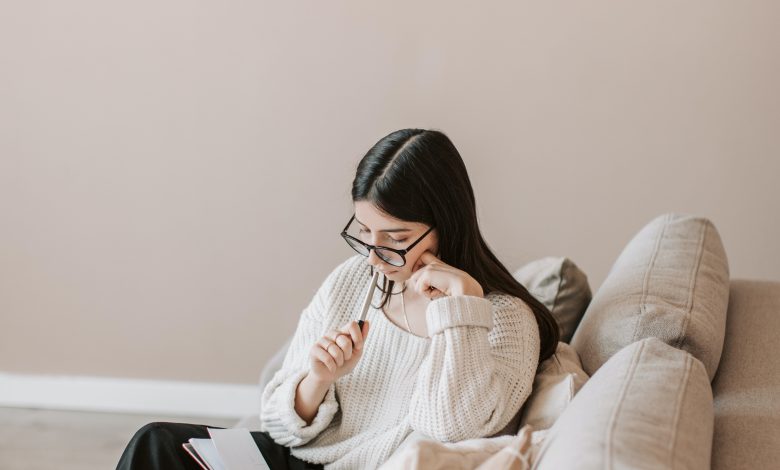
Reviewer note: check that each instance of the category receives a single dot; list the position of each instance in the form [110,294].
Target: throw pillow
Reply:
[557,380]
[561,286]
[649,406]
[670,282]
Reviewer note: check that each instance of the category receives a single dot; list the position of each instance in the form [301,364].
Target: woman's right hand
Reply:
[337,352]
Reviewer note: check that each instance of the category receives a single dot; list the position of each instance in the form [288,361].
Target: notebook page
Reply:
[237,449]
[206,450]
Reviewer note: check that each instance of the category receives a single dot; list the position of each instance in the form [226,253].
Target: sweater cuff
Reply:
[289,419]
[458,310]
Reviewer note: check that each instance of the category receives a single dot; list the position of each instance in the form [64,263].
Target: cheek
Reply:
[410,267]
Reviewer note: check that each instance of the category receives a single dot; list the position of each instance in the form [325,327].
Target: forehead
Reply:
[370,216]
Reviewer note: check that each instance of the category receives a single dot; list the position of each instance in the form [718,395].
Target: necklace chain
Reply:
[403,307]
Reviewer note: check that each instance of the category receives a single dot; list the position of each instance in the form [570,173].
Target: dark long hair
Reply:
[417,175]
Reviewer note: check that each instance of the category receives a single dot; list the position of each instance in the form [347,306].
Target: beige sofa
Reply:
[682,361]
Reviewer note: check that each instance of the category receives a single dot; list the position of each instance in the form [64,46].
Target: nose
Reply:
[375,260]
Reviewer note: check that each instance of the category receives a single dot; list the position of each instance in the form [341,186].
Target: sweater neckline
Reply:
[381,313]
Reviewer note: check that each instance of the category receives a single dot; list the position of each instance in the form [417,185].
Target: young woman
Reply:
[454,339]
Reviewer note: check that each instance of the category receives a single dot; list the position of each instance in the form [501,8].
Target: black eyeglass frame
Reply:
[402,253]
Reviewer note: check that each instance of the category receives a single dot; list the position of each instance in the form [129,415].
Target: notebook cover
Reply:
[190,450]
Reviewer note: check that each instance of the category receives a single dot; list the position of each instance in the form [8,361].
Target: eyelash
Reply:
[362,230]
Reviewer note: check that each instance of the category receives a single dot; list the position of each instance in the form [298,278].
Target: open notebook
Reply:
[228,449]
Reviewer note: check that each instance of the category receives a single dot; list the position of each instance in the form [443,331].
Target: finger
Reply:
[433,268]
[418,272]
[336,353]
[346,333]
[423,260]
[424,284]
[428,257]
[435,283]
[345,343]
[324,343]
[350,328]
[365,333]
[332,335]
[319,354]
[357,336]
[418,265]
[433,293]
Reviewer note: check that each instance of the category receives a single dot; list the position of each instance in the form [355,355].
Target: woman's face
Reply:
[377,228]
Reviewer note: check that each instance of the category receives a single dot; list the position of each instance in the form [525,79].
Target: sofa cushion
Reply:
[557,380]
[671,282]
[561,286]
[649,406]
[747,386]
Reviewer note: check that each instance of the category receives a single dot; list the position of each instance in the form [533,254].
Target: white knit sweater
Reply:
[467,380]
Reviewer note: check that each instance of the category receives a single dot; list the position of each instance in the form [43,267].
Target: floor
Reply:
[35,439]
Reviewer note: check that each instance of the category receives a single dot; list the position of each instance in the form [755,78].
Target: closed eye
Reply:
[362,230]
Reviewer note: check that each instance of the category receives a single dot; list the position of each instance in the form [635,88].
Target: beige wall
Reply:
[174,175]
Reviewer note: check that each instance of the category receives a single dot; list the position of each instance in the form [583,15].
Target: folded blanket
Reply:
[490,453]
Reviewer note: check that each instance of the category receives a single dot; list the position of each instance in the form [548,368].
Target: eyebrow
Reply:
[390,230]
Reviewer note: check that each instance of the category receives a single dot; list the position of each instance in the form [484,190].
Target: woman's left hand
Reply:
[434,278]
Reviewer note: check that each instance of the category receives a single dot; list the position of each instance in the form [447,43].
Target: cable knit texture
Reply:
[467,380]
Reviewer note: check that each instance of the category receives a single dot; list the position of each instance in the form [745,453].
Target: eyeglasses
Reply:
[388,255]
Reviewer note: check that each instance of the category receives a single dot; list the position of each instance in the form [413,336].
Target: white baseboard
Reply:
[119,395]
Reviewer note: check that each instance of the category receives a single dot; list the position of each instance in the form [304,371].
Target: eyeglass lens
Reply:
[387,256]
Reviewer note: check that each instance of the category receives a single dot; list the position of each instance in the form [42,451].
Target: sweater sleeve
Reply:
[480,367]
[277,410]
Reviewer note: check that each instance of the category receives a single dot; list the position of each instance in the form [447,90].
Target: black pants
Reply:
[158,446]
